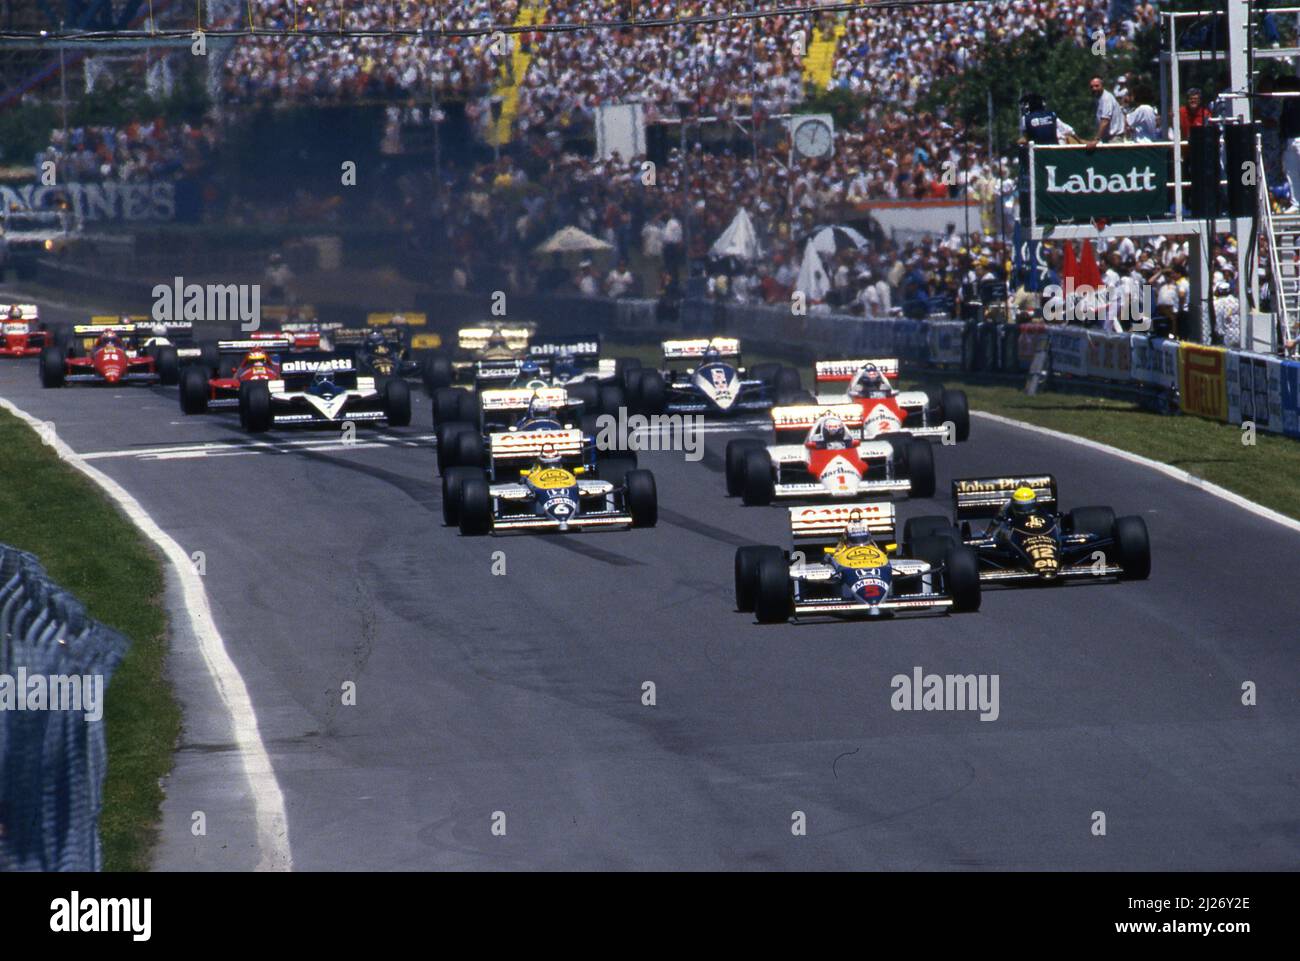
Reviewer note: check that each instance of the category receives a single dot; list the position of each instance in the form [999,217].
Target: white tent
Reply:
[571,240]
[812,280]
[738,240]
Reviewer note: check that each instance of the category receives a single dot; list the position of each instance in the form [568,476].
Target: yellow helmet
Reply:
[1024,500]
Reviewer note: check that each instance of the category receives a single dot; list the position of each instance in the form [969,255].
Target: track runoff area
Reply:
[414,699]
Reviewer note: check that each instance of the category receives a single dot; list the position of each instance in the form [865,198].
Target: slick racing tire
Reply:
[624,366]
[446,405]
[453,482]
[447,435]
[169,370]
[470,449]
[642,498]
[961,578]
[920,469]
[1097,521]
[210,358]
[1134,547]
[255,406]
[772,599]
[194,390]
[933,549]
[612,399]
[475,507]
[747,561]
[766,372]
[436,372]
[954,407]
[736,451]
[588,393]
[758,485]
[928,525]
[632,386]
[900,444]
[52,367]
[615,469]
[787,382]
[468,401]
[397,402]
[652,393]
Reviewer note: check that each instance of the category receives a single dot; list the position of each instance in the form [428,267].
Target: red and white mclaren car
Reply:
[820,454]
[116,358]
[24,335]
[870,384]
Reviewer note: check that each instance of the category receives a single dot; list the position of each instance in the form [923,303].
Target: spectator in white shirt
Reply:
[1110,118]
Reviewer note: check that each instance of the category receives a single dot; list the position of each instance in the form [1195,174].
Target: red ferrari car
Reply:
[23,335]
[116,358]
[203,389]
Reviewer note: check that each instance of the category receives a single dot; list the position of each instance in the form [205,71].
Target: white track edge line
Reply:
[1168,470]
[268,799]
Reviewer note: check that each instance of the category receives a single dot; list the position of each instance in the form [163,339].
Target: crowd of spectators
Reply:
[139,151]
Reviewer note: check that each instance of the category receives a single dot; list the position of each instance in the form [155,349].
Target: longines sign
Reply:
[98,202]
[1074,185]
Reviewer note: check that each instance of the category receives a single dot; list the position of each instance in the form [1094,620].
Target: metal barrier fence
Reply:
[55,666]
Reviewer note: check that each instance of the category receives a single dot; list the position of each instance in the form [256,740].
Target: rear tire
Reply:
[624,366]
[616,469]
[453,482]
[787,382]
[746,573]
[446,405]
[612,399]
[1134,546]
[447,435]
[961,578]
[475,507]
[397,403]
[929,525]
[652,393]
[53,368]
[210,358]
[1098,521]
[642,498]
[169,371]
[468,406]
[436,372]
[772,600]
[758,485]
[470,450]
[194,390]
[920,469]
[954,407]
[766,372]
[736,451]
[588,393]
[255,406]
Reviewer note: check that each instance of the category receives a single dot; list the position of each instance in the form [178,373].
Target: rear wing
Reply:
[115,320]
[279,313]
[520,399]
[260,343]
[528,445]
[694,349]
[801,418]
[29,311]
[843,371]
[310,363]
[580,346]
[974,497]
[401,319]
[826,523]
[94,330]
[357,335]
[516,336]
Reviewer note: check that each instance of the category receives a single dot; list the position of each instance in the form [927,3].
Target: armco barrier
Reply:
[55,666]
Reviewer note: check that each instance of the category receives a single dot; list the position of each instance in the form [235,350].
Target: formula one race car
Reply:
[845,562]
[115,357]
[322,389]
[886,410]
[24,335]
[240,362]
[1025,539]
[552,493]
[716,385]
[476,347]
[819,455]
[466,441]
[297,324]
[145,335]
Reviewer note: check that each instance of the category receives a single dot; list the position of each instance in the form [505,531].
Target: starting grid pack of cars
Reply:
[514,419]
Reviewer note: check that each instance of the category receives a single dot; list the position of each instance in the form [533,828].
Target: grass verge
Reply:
[1267,472]
[91,549]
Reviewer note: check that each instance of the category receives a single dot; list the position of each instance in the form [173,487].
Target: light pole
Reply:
[683,109]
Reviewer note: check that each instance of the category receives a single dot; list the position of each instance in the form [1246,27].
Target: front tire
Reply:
[954,407]
[747,562]
[961,579]
[652,393]
[736,451]
[758,485]
[436,372]
[453,484]
[642,498]
[446,405]
[255,406]
[397,403]
[1134,546]
[475,507]
[772,598]
[920,469]
[168,366]
[53,368]
[194,390]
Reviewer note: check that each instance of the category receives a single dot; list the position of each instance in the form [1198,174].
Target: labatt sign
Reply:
[1112,183]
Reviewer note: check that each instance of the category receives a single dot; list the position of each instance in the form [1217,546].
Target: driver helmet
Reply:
[548,458]
[833,431]
[858,534]
[1023,501]
[711,355]
[374,340]
[124,318]
[110,337]
[530,370]
[496,339]
[256,358]
[565,365]
[540,408]
[869,380]
[15,312]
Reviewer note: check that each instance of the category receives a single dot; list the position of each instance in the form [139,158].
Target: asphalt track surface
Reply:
[522,694]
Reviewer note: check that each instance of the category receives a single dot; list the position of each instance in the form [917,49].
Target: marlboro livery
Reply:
[1019,535]
[869,383]
[845,563]
[319,389]
[24,334]
[115,357]
[819,456]
[704,376]
[240,362]
[551,493]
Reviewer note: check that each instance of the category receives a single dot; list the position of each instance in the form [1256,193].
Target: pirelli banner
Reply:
[1203,380]
[1111,182]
